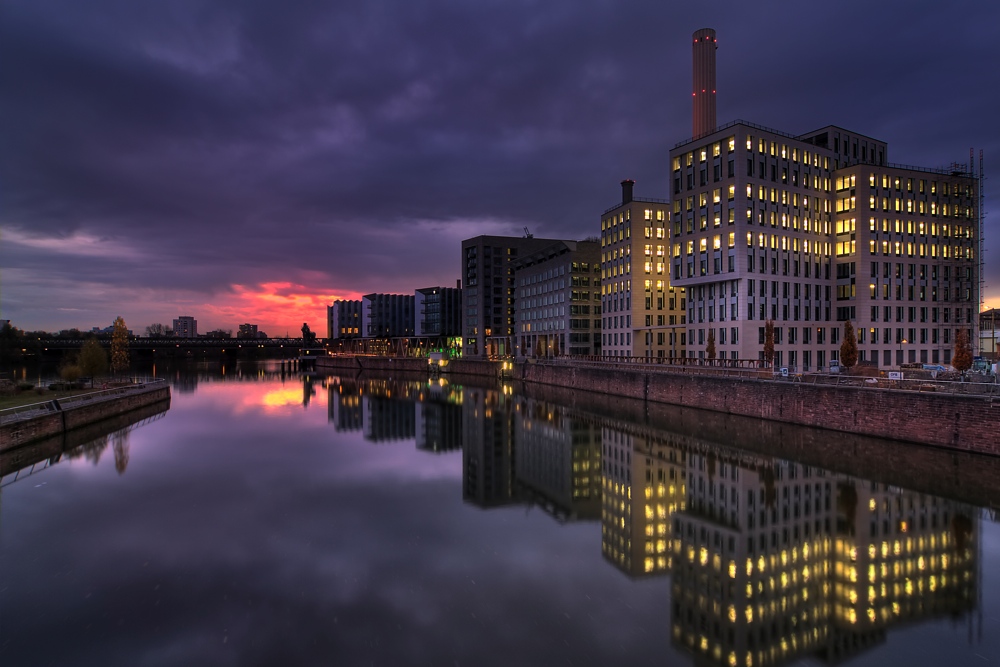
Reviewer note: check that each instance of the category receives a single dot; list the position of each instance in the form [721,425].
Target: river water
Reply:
[267,519]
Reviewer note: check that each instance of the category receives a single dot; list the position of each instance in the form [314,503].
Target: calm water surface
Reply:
[265,520]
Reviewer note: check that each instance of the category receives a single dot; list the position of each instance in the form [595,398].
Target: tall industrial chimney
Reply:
[703,94]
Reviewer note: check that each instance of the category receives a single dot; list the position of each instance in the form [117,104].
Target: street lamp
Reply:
[901,344]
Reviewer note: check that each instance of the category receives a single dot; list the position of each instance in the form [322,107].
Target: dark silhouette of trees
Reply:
[710,349]
[849,347]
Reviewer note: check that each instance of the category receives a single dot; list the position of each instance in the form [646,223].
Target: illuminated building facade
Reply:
[438,312]
[387,315]
[643,313]
[488,295]
[343,320]
[558,300]
[810,231]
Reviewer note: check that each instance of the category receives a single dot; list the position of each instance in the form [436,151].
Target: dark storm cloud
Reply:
[353,144]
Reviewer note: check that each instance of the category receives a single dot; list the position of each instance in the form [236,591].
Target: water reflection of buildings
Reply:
[771,561]
[558,461]
[643,486]
[488,448]
[776,560]
[387,411]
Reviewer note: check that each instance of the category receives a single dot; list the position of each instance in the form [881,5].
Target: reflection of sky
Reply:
[240,536]
[246,530]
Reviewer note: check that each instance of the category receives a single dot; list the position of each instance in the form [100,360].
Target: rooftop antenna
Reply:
[527,234]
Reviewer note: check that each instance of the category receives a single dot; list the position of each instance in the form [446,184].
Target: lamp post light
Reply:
[901,344]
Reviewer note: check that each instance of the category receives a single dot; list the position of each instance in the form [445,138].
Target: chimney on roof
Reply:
[627,190]
[703,81]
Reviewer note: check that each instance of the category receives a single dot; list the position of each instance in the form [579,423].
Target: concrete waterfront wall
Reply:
[966,423]
[19,433]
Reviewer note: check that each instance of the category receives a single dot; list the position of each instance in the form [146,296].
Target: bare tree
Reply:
[710,348]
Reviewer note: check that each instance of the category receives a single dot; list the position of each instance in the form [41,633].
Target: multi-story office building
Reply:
[438,312]
[643,312]
[186,326]
[559,300]
[811,230]
[387,315]
[343,320]
[488,296]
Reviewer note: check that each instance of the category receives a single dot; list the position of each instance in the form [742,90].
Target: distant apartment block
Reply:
[186,326]
[438,312]
[387,315]
[247,331]
[488,295]
[558,296]
[343,320]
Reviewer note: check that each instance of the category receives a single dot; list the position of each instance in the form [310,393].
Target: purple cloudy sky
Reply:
[252,161]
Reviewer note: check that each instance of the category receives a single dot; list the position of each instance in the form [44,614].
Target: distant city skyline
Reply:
[255,164]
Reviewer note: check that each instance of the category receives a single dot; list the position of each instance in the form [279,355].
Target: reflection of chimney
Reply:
[627,190]
[703,94]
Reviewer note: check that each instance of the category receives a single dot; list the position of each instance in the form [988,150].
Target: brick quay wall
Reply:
[961,422]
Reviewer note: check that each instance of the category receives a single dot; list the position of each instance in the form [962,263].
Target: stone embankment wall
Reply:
[18,433]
